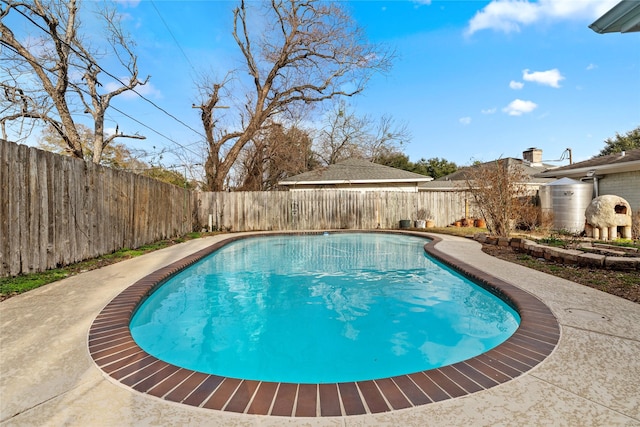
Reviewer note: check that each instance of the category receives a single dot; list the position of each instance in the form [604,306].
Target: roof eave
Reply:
[358,181]
[600,170]
[623,18]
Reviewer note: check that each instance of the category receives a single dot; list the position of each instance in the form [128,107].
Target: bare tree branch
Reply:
[500,193]
[65,68]
[345,135]
[309,52]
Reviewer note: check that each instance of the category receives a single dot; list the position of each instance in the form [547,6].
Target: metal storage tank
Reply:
[569,200]
[544,193]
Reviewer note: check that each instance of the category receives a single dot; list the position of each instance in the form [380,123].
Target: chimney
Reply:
[533,156]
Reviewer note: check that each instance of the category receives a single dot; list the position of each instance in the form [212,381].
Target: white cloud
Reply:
[516,85]
[510,15]
[466,121]
[547,78]
[591,67]
[489,111]
[505,16]
[519,107]
[128,3]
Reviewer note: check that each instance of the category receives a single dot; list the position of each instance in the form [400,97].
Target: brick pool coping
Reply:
[116,353]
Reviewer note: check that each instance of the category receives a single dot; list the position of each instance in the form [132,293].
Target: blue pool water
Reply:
[319,309]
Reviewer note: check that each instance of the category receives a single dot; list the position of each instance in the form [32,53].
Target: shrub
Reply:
[499,191]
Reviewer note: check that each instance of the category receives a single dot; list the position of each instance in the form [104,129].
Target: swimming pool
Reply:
[119,357]
[320,309]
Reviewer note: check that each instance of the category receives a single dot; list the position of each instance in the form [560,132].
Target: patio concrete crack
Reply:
[37,405]
[585,398]
[601,333]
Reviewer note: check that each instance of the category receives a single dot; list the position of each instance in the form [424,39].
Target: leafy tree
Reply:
[308,53]
[629,141]
[51,74]
[167,175]
[433,167]
[437,167]
[396,160]
[401,161]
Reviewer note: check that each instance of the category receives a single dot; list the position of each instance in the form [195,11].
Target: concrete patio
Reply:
[47,377]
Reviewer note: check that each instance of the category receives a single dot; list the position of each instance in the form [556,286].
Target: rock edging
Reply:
[564,256]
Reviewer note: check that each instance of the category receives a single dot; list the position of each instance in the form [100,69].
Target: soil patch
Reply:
[625,284]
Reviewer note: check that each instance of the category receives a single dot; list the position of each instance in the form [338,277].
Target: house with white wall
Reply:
[616,174]
[356,175]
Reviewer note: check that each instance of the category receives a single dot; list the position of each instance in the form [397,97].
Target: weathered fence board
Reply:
[56,210]
[323,209]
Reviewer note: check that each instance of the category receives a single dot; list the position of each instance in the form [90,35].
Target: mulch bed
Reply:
[625,284]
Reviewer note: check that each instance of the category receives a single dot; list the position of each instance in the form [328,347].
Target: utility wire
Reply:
[121,112]
[155,131]
[80,54]
[173,36]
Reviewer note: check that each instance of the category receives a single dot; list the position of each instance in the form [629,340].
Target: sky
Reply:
[473,80]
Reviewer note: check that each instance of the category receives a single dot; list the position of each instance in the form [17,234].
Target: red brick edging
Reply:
[113,349]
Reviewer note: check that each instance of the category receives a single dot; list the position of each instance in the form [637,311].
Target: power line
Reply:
[155,131]
[173,36]
[80,54]
[118,110]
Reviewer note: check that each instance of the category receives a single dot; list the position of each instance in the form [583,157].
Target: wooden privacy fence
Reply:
[56,210]
[324,209]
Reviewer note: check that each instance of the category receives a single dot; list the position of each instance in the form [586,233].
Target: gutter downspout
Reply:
[594,178]
[592,175]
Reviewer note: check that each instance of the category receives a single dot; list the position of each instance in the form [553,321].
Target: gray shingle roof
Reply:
[611,162]
[355,170]
[457,178]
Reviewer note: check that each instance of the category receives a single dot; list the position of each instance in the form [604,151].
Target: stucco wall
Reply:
[625,185]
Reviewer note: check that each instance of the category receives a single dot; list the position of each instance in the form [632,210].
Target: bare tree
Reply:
[342,135]
[53,73]
[307,53]
[500,193]
[114,155]
[118,156]
[274,155]
[345,135]
[388,137]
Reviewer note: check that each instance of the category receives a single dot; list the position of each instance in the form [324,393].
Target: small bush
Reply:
[499,191]
[553,241]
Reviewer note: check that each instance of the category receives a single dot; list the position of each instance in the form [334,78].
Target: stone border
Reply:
[116,353]
[560,255]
